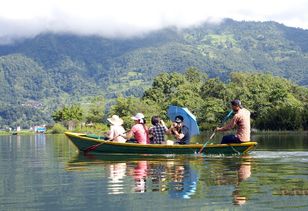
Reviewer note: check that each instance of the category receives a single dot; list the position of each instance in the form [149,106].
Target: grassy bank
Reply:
[279,131]
[22,132]
[95,129]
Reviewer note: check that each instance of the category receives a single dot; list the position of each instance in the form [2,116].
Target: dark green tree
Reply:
[95,111]
[69,116]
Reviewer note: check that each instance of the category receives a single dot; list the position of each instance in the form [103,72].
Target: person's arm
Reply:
[171,129]
[110,133]
[178,135]
[164,125]
[128,135]
[228,126]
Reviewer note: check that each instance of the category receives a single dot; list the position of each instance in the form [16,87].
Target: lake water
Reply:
[45,172]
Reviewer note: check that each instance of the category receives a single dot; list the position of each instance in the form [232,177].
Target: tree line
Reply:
[275,103]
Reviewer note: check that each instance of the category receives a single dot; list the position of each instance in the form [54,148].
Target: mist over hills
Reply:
[39,74]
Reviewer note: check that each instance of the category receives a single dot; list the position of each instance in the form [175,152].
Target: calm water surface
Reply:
[45,172]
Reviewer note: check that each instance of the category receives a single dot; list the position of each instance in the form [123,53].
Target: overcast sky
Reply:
[124,18]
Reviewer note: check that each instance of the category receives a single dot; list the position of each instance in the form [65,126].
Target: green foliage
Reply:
[305,117]
[22,115]
[214,88]
[68,113]
[97,128]
[128,107]
[57,129]
[95,110]
[163,86]
[177,89]
[195,76]
[281,118]
[212,111]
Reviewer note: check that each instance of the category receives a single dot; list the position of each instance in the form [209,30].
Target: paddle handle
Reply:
[223,121]
[93,147]
[211,137]
[226,117]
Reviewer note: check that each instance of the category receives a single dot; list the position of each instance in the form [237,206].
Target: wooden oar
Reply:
[212,136]
[204,145]
[93,147]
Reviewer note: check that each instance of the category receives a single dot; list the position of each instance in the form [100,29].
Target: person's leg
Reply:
[230,139]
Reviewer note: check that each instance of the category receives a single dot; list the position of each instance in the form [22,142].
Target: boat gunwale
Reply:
[83,137]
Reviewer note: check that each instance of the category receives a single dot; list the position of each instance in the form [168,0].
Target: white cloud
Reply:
[20,18]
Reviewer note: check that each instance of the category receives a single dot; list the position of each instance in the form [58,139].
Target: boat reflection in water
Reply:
[234,172]
[184,182]
[180,176]
[140,176]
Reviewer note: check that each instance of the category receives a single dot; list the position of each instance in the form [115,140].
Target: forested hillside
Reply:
[50,70]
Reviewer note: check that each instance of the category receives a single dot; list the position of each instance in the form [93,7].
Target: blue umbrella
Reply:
[190,120]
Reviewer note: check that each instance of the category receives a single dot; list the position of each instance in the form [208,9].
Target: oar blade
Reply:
[91,148]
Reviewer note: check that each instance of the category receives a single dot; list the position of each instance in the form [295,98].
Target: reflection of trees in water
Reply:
[61,146]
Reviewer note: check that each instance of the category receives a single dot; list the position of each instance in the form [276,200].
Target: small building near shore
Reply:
[40,129]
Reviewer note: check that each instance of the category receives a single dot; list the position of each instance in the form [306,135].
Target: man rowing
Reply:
[241,119]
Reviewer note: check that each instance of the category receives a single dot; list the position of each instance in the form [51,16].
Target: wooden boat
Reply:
[83,142]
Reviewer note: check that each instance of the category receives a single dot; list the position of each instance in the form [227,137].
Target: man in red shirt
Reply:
[241,119]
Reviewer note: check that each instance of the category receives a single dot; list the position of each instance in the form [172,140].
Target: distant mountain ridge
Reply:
[54,69]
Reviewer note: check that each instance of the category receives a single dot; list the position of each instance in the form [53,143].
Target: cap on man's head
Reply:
[179,119]
[236,102]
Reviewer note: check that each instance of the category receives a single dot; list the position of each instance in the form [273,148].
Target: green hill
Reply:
[51,69]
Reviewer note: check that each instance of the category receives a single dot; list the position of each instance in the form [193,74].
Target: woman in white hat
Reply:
[140,131]
[116,129]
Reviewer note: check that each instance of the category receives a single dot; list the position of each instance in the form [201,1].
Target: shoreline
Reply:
[270,132]
[279,131]
[4,133]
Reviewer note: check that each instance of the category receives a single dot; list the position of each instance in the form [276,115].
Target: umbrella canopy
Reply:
[190,120]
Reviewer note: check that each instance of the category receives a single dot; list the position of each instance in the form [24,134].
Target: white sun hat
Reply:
[115,120]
